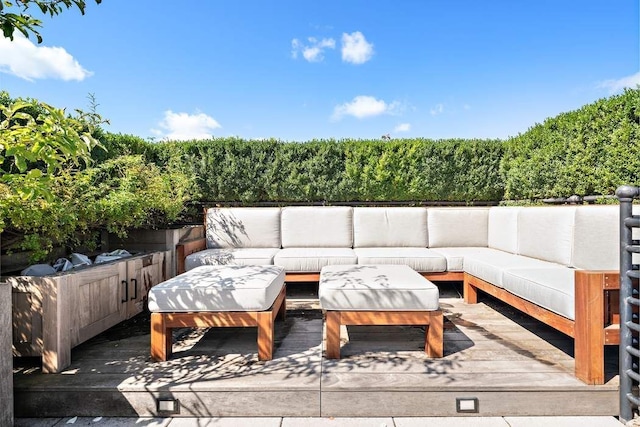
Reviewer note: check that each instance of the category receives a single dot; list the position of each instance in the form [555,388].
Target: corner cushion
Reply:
[453,227]
[546,233]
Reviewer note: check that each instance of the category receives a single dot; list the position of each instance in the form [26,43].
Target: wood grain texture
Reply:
[56,313]
[187,248]
[552,319]
[432,320]
[447,276]
[514,364]
[596,295]
[263,320]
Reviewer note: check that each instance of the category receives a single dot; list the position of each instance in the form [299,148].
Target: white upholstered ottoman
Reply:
[218,296]
[379,295]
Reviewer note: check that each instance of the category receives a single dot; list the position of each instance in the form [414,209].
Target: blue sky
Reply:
[299,70]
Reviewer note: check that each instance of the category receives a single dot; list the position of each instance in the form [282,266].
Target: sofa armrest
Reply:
[597,311]
[184,249]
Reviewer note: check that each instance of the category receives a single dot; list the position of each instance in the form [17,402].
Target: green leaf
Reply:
[34,174]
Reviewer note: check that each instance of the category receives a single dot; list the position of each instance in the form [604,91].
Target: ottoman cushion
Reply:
[376,288]
[219,288]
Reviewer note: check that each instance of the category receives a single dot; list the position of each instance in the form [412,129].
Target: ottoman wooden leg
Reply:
[333,335]
[265,335]
[282,312]
[161,339]
[434,335]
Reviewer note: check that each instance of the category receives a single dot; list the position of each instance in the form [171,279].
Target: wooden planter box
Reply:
[6,361]
[53,314]
[154,240]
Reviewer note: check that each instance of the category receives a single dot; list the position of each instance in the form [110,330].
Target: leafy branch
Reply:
[24,22]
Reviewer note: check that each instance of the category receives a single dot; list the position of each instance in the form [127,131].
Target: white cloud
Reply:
[402,127]
[467,107]
[364,106]
[438,109]
[314,50]
[355,48]
[618,85]
[184,126]
[23,59]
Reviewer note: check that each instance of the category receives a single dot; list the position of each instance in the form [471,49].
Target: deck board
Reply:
[512,363]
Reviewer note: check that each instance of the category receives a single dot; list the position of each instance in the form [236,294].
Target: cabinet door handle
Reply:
[135,289]
[126,291]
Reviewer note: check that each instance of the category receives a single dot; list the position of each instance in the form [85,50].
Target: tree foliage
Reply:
[15,14]
[38,140]
[116,195]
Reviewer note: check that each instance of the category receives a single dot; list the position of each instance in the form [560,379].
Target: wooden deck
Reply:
[511,363]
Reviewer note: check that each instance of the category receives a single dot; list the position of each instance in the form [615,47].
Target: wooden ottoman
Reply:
[218,296]
[379,295]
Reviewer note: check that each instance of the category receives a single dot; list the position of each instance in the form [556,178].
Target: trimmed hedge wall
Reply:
[235,170]
[589,151]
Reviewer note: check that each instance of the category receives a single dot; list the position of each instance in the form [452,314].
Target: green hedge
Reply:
[589,151]
[235,170]
[115,145]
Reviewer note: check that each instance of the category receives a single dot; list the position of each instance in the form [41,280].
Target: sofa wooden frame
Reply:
[597,310]
[597,316]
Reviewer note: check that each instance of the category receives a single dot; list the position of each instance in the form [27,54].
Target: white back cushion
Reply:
[243,228]
[389,227]
[596,244]
[503,228]
[317,227]
[546,233]
[455,227]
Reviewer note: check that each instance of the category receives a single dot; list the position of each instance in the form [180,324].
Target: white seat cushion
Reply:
[240,256]
[491,268]
[303,260]
[455,256]
[376,288]
[419,259]
[489,264]
[551,288]
[219,288]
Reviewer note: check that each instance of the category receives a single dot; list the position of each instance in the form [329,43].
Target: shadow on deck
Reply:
[513,365]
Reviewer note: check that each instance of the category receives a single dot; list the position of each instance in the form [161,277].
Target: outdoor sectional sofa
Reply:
[558,264]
